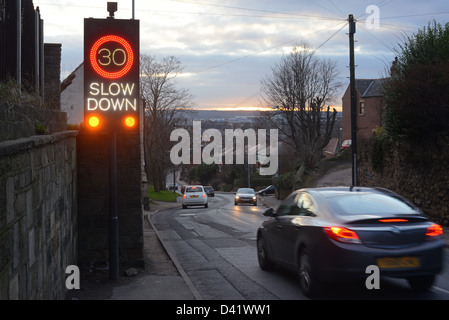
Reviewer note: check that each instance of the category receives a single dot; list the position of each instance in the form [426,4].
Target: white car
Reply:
[194,196]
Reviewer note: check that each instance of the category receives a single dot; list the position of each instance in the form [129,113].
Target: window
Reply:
[305,205]
[362,107]
[286,207]
[194,189]
[370,204]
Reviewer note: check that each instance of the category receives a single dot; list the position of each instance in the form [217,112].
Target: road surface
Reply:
[216,249]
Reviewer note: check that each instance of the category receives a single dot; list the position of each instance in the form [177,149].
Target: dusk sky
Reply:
[227,47]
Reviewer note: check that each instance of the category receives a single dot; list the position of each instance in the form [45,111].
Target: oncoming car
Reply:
[245,195]
[194,195]
[328,234]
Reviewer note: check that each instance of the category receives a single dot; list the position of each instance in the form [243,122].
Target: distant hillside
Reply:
[219,114]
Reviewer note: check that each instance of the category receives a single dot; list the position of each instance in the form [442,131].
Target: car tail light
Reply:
[204,195]
[185,195]
[393,220]
[434,230]
[342,234]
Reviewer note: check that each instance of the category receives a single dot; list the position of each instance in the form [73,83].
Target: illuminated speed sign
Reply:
[111,74]
[111,63]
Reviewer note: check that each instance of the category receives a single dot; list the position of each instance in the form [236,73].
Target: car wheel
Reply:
[184,206]
[236,203]
[255,204]
[421,283]
[307,280]
[206,205]
[262,256]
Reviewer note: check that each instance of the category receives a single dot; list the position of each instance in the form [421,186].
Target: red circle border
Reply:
[96,66]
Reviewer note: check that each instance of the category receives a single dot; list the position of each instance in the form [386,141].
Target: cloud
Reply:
[227,47]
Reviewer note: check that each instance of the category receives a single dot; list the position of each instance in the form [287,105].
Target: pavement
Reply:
[162,277]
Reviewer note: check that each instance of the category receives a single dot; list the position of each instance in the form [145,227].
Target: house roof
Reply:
[68,81]
[369,87]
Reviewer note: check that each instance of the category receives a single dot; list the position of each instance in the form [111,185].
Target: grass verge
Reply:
[164,195]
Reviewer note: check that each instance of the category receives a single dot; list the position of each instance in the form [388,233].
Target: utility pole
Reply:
[133,8]
[353,100]
[19,45]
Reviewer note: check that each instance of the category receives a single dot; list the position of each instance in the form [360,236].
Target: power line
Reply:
[255,10]
[281,16]
[322,44]
[270,48]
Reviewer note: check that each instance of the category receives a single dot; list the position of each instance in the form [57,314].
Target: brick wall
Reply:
[38,217]
[367,121]
[52,75]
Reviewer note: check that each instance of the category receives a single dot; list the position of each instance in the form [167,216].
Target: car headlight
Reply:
[236,197]
[254,198]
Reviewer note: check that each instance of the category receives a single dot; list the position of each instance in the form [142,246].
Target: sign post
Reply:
[111,97]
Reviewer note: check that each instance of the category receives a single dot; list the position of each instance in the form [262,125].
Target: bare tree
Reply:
[298,88]
[163,103]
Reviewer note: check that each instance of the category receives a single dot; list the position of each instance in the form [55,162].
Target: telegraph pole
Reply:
[353,100]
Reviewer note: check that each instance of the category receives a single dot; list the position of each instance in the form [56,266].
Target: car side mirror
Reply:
[269,213]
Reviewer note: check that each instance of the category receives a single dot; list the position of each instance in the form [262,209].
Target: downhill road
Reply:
[215,248]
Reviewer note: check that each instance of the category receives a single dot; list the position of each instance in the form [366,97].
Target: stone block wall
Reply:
[18,121]
[38,215]
[418,174]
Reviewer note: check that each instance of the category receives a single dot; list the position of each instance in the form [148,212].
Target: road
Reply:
[216,248]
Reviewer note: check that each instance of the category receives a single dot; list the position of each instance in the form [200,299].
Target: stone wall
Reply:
[38,215]
[414,172]
[52,80]
[93,198]
[18,121]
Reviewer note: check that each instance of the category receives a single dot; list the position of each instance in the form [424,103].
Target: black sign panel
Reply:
[111,74]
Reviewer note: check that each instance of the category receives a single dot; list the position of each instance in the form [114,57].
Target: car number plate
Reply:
[194,196]
[398,262]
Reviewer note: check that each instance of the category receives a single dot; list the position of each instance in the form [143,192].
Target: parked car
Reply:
[210,191]
[331,234]
[245,195]
[268,190]
[172,187]
[194,196]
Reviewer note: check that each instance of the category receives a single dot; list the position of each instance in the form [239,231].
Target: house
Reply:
[72,96]
[370,104]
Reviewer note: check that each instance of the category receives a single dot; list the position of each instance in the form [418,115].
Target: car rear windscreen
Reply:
[194,189]
[369,204]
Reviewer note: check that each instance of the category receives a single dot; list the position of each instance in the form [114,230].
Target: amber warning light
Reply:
[130,122]
[94,121]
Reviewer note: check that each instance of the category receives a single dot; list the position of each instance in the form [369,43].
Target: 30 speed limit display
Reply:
[111,57]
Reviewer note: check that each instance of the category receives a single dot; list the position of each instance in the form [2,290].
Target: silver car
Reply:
[194,196]
[245,195]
